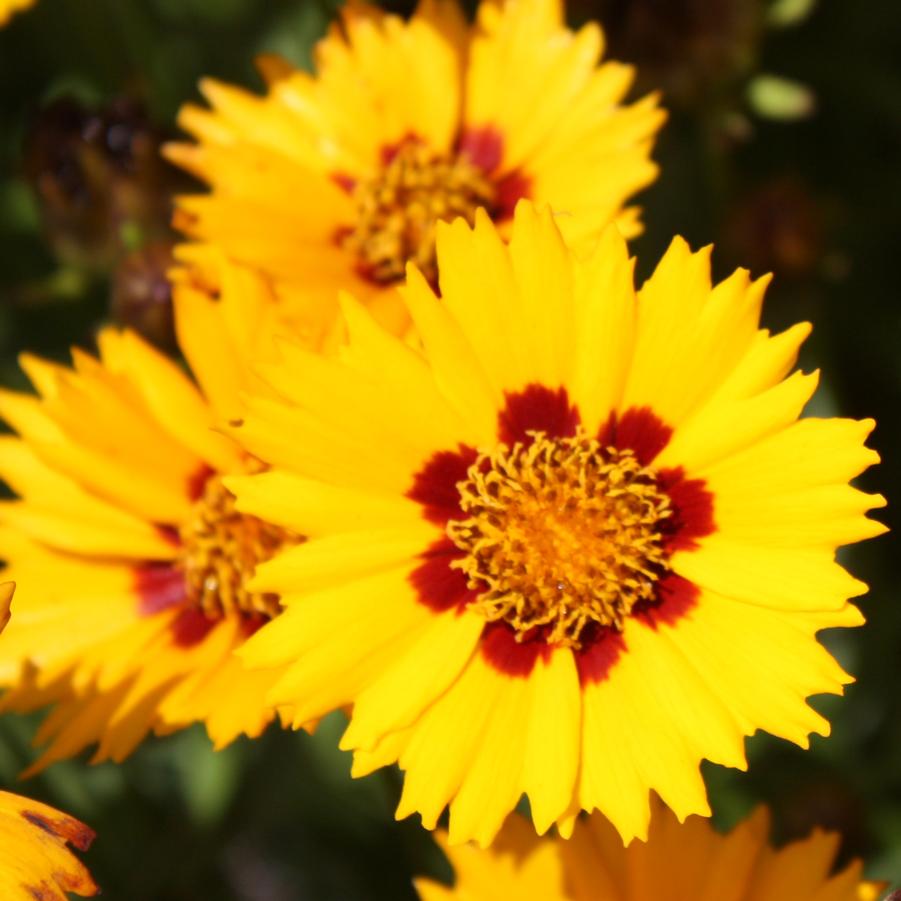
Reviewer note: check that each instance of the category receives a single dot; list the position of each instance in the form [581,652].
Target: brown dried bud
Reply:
[778,227]
[102,185]
[142,295]
[684,47]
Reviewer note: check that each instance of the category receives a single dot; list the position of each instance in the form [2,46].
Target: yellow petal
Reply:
[314,508]
[412,682]
[552,741]
[35,860]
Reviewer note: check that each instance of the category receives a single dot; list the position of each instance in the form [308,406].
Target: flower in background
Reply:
[8,8]
[680,862]
[576,544]
[338,180]
[35,861]
[518,865]
[132,562]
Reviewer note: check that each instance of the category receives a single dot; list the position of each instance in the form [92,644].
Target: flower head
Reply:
[680,862]
[35,861]
[574,544]
[132,561]
[339,179]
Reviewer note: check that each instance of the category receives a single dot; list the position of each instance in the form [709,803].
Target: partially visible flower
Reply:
[338,180]
[35,861]
[517,865]
[687,861]
[573,545]
[8,8]
[99,178]
[132,561]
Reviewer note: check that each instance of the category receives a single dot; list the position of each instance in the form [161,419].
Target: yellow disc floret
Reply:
[560,533]
[221,549]
[398,210]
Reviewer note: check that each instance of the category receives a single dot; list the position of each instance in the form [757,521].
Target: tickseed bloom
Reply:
[338,179]
[133,563]
[687,861]
[8,8]
[575,544]
[35,861]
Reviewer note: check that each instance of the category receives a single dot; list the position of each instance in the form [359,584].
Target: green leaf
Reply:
[774,97]
[786,13]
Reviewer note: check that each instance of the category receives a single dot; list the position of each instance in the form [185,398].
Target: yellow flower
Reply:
[35,861]
[518,865]
[8,8]
[131,560]
[336,180]
[576,544]
[680,862]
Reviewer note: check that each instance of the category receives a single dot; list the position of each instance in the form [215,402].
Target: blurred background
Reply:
[783,148]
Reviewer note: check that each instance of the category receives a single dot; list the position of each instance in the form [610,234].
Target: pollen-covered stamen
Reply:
[220,550]
[398,210]
[561,533]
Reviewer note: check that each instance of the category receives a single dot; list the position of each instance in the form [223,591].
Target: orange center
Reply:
[221,549]
[561,533]
[399,209]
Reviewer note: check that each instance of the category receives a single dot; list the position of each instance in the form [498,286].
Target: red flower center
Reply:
[220,551]
[400,206]
[398,210]
[557,537]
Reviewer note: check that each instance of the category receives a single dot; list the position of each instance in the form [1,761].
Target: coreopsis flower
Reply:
[687,861]
[132,562]
[8,8]
[338,179]
[35,861]
[574,545]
